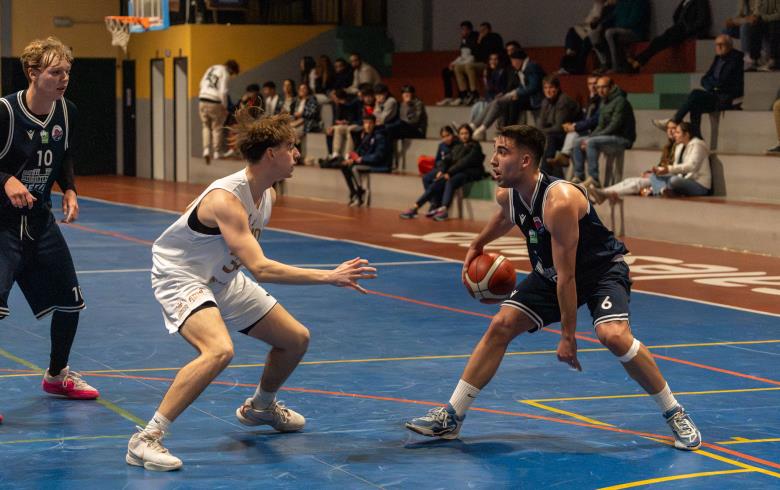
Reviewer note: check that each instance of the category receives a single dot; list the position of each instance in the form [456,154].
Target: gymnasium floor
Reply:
[379,359]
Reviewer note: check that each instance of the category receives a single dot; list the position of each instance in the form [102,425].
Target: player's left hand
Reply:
[350,272]
[567,352]
[70,207]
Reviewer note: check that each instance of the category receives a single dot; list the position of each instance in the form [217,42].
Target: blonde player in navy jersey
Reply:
[196,279]
[576,261]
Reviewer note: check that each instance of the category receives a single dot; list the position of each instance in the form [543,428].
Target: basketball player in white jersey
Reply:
[197,281]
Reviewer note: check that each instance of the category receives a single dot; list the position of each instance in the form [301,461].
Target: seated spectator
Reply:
[468,43]
[362,72]
[251,97]
[638,185]
[289,95]
[371,153]
[496,79]
[630,24]
[524,92]
[580,40]
[430,194]
[723,84]
[464,164]
[616,130]
[385,107]
[776,110]
[488,42]
[557,110]
[691,20]
[323,79]
[342,75]
[413,120]
[756,21]
[511,47]
[575,132]
[306,66]
[272,102]
[347,117]
[306,112]
[690,174]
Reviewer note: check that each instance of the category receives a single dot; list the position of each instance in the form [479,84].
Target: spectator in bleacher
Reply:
[638,185]
[288,96]
[755,22]
[468,44]
[252,97]
[579,130]
[557,110]
[347,117]
[306,112]
[342,75]
[213,106]
[372,151]
[776,110]
[413,120]
[362,72]
[323,78]
[580,40]
[723,85]
[616,130]
[488,42]
[385,107]
[629,23]
[691,20]
[690,173]
[430,194]
[307,65]
[496,79]
[272,101]
[511,47]
[464,164]
[524,92]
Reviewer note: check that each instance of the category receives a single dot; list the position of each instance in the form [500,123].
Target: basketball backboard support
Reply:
[157,11]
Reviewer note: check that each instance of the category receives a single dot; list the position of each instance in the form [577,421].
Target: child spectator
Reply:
[372,153]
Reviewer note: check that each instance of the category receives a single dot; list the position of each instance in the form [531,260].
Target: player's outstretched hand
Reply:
[70,207]
[567,352]
[18,194]
[350,272]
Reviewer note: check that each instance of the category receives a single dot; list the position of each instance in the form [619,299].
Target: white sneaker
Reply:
[456,101]
[445,101]
[768,66]
[661,123]
[145,449]
[230,153]
[277,416]
[479,133]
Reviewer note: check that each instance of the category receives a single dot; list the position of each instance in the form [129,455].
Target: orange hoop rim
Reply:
[144,22]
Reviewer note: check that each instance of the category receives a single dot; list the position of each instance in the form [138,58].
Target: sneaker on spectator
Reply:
[445,101]
[432,211]
[768,66]
[455,101]
[230,153]
[479,133]
[441,214]
[661,123]
[68,384]
[776,149]
[408,214]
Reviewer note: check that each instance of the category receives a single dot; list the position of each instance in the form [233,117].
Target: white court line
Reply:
[431,256]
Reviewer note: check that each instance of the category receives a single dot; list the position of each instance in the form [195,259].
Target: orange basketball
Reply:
[490,278]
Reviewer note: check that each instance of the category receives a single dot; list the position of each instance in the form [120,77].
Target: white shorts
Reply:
[241,303]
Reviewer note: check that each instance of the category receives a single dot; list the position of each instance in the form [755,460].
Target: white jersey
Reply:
[202,257]
[214,84]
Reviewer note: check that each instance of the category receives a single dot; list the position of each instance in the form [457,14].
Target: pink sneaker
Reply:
[1,419]
[69,384]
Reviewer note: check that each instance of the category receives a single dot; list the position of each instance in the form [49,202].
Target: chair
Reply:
[364,179]
[715,118]
[461,195]
[613,168]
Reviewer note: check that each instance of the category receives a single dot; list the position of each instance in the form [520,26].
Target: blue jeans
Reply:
[594,146]
[658,183]
[687,187]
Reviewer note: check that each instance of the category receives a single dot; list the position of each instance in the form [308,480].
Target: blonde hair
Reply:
[255,132]
[42,53]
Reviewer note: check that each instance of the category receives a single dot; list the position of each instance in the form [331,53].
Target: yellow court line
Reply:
[564,412]
[21,361]
[62,439]
[642,395]
[742,440]
[673,478]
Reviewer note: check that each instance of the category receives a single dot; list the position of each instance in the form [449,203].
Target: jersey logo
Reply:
[522,219]
[537,222]
[30,133]
[56,133]
[44,137]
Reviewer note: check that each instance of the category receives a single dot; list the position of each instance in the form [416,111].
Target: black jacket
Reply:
[729,83]
[465,158]
[695,17]
[491,43]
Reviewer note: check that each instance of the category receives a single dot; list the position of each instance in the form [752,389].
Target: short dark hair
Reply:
[340,94]
[520,54]
[369,117]
[365,89]
[381,88]
[486,24]
[253,87]
[513,43]
[527,136]
[270,84]
[552,80]
[447,129]
[685,127]
[467,24]
[407,89]
[232,67]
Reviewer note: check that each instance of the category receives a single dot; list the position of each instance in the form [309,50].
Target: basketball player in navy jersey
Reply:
[576,261]
[35,152]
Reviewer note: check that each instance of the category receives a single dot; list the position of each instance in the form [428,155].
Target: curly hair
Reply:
[42,53]
[255,132]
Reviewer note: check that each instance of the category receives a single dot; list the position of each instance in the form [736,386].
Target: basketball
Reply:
[490,278]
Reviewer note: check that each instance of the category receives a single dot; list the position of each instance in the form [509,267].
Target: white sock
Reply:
[665,399]
[463,396]
[263,399]
[158,422]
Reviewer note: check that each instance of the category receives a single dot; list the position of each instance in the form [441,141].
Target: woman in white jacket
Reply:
[690,174]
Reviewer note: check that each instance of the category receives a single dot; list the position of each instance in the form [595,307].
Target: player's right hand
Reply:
[472,254]
[350,272]
[18,194]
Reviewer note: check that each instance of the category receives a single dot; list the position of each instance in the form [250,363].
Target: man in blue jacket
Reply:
[372,154]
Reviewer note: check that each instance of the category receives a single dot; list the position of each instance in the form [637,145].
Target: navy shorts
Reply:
[37,258]
[607,297]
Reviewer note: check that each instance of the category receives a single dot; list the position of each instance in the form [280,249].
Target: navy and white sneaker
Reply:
[686,436]
[438,422]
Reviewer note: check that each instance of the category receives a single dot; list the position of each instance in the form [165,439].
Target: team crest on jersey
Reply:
[44,137]
[30,133]
[56,133]
[538,223]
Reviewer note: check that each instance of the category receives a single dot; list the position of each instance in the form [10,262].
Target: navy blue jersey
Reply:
[597,248]
[33,147]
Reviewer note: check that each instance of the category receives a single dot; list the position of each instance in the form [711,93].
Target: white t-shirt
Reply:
[182,251]
[214,84]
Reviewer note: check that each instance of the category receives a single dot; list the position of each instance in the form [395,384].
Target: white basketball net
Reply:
[120,32]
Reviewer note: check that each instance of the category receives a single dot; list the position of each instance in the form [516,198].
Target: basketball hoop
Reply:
[119,27]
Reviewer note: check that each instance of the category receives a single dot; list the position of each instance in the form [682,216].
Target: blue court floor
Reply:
[373,362]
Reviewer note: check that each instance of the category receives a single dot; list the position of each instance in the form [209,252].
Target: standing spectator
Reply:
[755,21]
[488,42]
[690,174]
[580,40]
[575,132]
[776,110]
[372,153]
[468,44]
[273,103]
[413,118]
[347,117]
[288,96]
[616,130]
[385,107]
[691,19]
[557,110]
[496,79]
[213,106]
[306,112]
[342,75]
[362,72]
[631,22]
[723,84]
[523,93]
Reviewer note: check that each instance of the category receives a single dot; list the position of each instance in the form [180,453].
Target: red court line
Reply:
[112,234]
[476,409]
